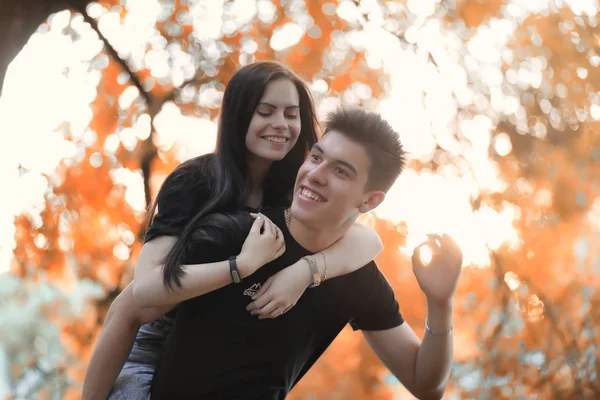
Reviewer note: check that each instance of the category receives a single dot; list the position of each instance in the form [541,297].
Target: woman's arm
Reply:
[121,324]
[149,289]
[280,292]
[359,246]
[198,279]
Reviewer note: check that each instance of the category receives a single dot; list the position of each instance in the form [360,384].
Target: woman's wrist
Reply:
[303,266]
[321,264]
[323,268]
[243,266]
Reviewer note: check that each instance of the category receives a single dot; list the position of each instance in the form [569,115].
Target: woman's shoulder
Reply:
[195,172]
[188,186]
[203,161]
[200,166]
[182,194]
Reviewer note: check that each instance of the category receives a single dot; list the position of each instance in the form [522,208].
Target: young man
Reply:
[219,350]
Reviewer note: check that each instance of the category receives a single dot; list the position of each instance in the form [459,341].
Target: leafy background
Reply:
[498,103]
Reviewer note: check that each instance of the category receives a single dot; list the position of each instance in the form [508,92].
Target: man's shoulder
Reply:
[366,276]
[275,214]
[368,271]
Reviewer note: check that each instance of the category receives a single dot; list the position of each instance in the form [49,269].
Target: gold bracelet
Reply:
[441,334]
[325,270]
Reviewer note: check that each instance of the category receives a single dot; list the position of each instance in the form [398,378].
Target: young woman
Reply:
[267,125]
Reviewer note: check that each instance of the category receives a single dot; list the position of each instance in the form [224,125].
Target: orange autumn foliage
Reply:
[525,325]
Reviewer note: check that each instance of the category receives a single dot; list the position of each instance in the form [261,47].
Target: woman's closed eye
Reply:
[270,113]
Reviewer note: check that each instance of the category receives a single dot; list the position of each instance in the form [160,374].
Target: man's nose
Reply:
[318,175]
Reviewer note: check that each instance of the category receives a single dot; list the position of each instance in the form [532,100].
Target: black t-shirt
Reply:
[217,350]
[183,193]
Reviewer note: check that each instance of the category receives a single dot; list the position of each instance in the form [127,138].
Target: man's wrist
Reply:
[446,305]
[439,316]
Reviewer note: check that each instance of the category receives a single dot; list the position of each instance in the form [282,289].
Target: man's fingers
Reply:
[435,242]
[445,246]
[434,236]
[453,246]
[436,247]
[416,257]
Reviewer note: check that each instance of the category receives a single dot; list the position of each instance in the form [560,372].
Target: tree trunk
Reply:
[20,20]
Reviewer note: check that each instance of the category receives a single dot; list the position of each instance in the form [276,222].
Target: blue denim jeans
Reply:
[135,378]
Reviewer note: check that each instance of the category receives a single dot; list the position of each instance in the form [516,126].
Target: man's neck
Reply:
[316,239]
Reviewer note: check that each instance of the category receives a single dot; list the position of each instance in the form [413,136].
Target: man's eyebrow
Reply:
[348,165]
[264,103]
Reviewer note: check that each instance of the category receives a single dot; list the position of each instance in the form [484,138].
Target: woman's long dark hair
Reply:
[229,173]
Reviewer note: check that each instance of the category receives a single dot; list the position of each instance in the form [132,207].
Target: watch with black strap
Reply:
[233,270]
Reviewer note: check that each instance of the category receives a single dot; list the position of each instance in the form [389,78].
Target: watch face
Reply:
[236,276]
[314,270]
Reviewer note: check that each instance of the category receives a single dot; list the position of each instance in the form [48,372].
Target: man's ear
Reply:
[373,199]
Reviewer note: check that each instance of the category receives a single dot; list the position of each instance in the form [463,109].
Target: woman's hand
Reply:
[281,291]
[265,243]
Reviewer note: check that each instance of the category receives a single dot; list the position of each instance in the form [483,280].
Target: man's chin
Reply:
[304,213]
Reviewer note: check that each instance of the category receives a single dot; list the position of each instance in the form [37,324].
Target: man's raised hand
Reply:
[439,277]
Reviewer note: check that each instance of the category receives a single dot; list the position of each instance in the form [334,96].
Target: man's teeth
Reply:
[276,139]
[311,195]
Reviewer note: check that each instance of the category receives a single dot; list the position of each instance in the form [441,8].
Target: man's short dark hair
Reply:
[381,141]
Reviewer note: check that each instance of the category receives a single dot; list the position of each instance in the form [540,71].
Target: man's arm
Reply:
[422,367]
[115,342]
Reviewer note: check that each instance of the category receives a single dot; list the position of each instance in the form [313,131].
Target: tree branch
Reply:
[115,56]
[147,149]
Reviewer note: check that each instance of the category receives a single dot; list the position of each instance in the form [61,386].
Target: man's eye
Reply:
[341,171]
